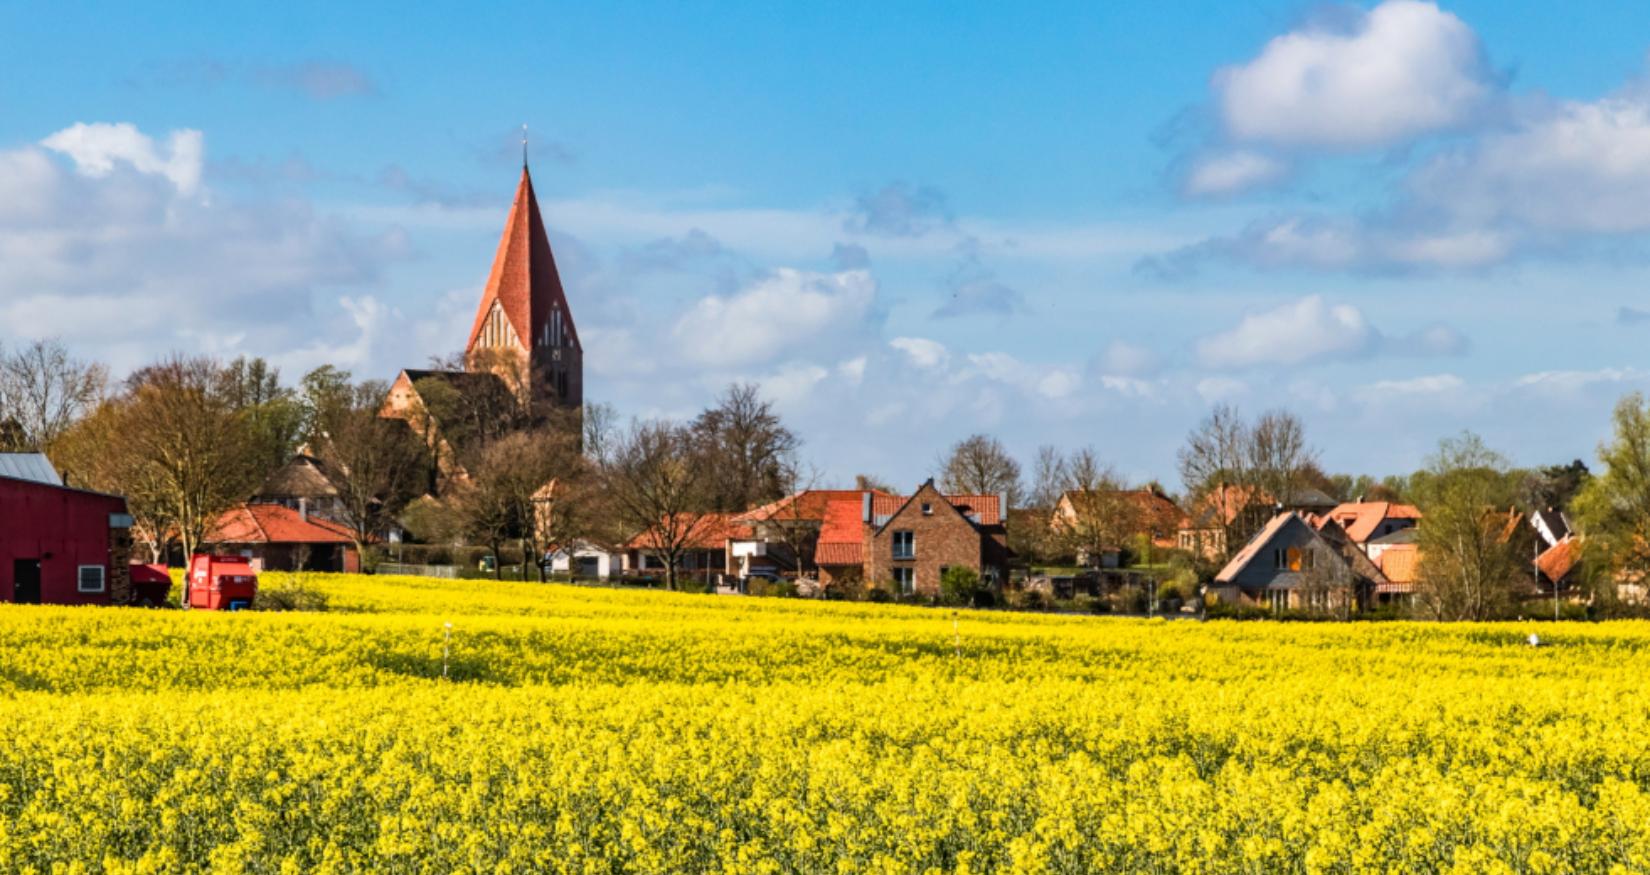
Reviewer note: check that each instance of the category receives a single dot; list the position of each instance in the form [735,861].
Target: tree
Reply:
[375,464]
[44,390]
[979,465]
[873,483]
[1554,486]
[745,446]
[1467,565]
[174,444]
[658,487]
[273,413]
[529,484]
[1613,508]
[1243,471]
[1097,513]
[1048,477]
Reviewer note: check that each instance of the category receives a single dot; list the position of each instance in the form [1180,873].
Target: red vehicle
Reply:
[219,583]
[150,584]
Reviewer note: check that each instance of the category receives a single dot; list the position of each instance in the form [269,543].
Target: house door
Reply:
[25,581]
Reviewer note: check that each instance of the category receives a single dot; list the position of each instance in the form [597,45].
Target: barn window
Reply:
[91,578]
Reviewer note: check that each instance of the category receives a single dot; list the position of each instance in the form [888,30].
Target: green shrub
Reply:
[286,591]
[959,586]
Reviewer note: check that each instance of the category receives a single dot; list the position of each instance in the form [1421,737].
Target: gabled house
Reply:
[279,538]
[1217,509]
[1553,526]
[705,553]
[1556,565]
[911,542]
[1292,565]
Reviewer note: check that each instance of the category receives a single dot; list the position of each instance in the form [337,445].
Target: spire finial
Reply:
[524,146]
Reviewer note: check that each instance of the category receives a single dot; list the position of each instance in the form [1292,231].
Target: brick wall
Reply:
[943,538]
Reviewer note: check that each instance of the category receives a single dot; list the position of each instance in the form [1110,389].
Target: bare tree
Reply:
[1467,561]
[657,485]
[529,484]
[1238,473]
[44,390]
[979,465]
[1095,513]
[745,445]
[94,454]
[873,483]
[375,464]
[1048,477]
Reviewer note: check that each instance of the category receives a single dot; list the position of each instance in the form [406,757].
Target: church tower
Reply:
[523,329]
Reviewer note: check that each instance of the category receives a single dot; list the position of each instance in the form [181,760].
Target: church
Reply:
[522,363]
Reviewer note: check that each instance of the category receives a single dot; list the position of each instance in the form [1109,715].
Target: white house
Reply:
[587,561]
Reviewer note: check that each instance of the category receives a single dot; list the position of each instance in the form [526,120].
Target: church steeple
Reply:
[523,317]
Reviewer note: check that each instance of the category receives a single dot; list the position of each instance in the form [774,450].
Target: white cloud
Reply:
[1307,330]
[1568,167]
[1432,384]
[1402,69]
[1125,359]
[758,323]
[1047,381]
[1212,389]
[1231,172]
[924,353]
[97,148]
[1571,382]
[116,248]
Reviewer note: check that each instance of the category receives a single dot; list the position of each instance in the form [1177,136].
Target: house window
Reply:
[906,580]
[1309,558]
[927,509]
[1279,599]
[1277,557]
[905,545]
[1293,557]
[91,578]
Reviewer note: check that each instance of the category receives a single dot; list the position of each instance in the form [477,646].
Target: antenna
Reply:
[524,146]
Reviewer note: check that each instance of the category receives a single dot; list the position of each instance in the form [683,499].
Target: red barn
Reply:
[59,545]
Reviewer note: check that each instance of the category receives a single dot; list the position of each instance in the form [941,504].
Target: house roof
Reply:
[1362,518]
[274,524]
[1399,563]
[1405,535]
[710,531]
[34,467]
[1553,521]
[300,477]
[1250,550]
[842,534]
[524,280]
[1331,535]
[809,504]
[1560,559]
[984,510]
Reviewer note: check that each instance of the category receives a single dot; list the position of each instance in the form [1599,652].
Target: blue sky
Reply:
[908,222]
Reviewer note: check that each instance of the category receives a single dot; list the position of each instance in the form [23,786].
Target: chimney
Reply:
[865,507]
[303,509]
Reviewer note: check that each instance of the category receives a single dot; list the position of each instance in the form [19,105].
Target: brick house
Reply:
[910,542]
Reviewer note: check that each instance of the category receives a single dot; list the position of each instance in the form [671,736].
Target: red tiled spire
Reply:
[524,278]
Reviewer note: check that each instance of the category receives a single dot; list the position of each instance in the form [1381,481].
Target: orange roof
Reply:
[1560,559]
[1399,564]
[274,524]
[710,531]
[524,279]
[809,504]
[1362,518]
[842,535]
[988,507]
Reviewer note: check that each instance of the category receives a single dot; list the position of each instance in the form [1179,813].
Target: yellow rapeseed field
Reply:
[591,730]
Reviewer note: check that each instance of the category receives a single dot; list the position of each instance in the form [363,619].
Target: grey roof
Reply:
[29,466]
[1405,535]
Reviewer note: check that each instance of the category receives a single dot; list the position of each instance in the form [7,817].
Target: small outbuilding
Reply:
[60,545]
[278,538]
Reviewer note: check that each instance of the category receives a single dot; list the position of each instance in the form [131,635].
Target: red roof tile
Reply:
[842,534]
[709,531]
[1558,560]
[1399,563]
[524,279]
[988,507]
[275,524]
[1362,518]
